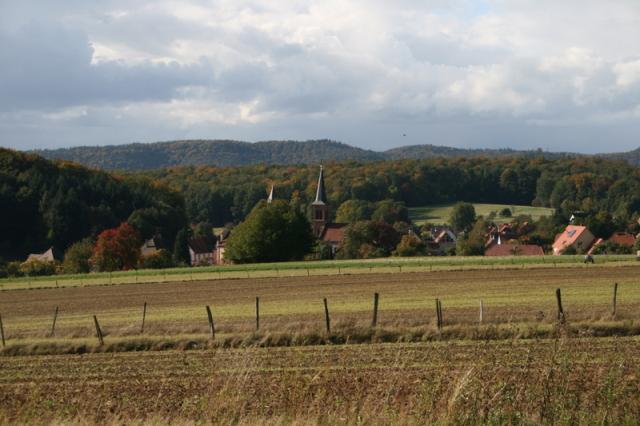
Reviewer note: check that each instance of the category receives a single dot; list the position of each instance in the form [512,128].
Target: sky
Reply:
[523,74]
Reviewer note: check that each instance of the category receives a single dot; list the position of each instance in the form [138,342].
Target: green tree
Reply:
[366,239]
[353,211]
[410,245]
[390,211]
[76,258]
[160,260]
[463,216]
[181,248]
[472,243]
[272,232]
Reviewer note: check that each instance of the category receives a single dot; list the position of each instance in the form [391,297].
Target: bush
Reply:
[506,212]
[160,260]
[410,245]
[34,268]
[76,258]
[13,269]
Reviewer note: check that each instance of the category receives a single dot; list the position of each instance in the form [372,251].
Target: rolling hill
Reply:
[146,156]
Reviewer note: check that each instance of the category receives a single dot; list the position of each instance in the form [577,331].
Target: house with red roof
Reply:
[514,250]
[623,239]
[578,237]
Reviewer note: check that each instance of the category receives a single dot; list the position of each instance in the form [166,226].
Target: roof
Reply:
[514,250]
[321,193]
[442,234]
[569,236]
[622,238]
[50,255]
[199,245]
[333,232]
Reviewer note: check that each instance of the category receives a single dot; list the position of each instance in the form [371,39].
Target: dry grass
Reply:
[561,381]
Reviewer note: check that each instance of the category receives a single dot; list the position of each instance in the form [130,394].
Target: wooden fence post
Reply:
[326,316]
[98,330]
[481,312]
[144,317]
[560,310]
[53,324]
[374,322]
[257,313]
[615,296]
[212,328]
[2,332]
[439,320]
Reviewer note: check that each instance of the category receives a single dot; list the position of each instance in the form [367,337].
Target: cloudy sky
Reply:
[557,75]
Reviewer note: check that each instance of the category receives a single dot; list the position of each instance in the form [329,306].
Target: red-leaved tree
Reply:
[116,249]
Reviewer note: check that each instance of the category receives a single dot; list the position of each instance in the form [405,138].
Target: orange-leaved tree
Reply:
[117,249]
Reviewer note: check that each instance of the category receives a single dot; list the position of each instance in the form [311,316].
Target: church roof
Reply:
[321,194]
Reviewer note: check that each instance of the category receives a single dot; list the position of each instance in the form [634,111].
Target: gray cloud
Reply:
[465,73]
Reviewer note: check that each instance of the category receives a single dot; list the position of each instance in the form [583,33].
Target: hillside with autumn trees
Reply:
[57,203]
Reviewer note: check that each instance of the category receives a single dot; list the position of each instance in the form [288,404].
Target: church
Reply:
[330,233]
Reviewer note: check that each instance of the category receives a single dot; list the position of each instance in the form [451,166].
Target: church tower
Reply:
[320,207]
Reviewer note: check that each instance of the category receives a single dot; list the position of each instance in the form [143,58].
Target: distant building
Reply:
[578,237]
[51,255]
[320,207]
[514,250]
[623,239]
[439,240]
[151,246]
[200,253]
[333,234]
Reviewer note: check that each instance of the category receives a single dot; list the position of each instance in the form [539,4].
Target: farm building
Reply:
[200,252]
[51,255]
[578,237]
[514,250]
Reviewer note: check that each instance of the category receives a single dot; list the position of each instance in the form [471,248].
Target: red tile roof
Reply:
[622,238]
[333,232]
[569,236]
[514,250]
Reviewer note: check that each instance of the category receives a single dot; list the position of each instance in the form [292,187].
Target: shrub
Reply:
[161,259]
[34,268]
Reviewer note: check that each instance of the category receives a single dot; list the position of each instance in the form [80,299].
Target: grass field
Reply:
[301,269]
[439,214]
[519,366]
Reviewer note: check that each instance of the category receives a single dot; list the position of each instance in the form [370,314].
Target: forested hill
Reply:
[430,151]
[47,203]
[223,153]
[219,153]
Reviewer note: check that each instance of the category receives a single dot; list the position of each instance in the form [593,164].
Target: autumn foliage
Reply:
[117,249]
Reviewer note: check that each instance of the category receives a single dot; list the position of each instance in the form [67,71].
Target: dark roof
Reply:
[321,194]
[199,245]
[623,238]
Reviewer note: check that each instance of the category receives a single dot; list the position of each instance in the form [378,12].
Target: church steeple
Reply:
[320,207]
[270,198]
[321,194]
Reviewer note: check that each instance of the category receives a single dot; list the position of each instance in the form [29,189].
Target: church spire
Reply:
[270,199]
[321,194]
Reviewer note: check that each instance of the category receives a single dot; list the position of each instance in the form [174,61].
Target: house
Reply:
[200,253]
[514,250]
[218,251]
[440,240]
[333,234]
[51,255]
[578,237]
[623,239]
[151,246]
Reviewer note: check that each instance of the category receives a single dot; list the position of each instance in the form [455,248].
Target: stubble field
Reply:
[519,366]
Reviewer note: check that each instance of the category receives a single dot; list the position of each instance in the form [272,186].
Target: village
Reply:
[505,239]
